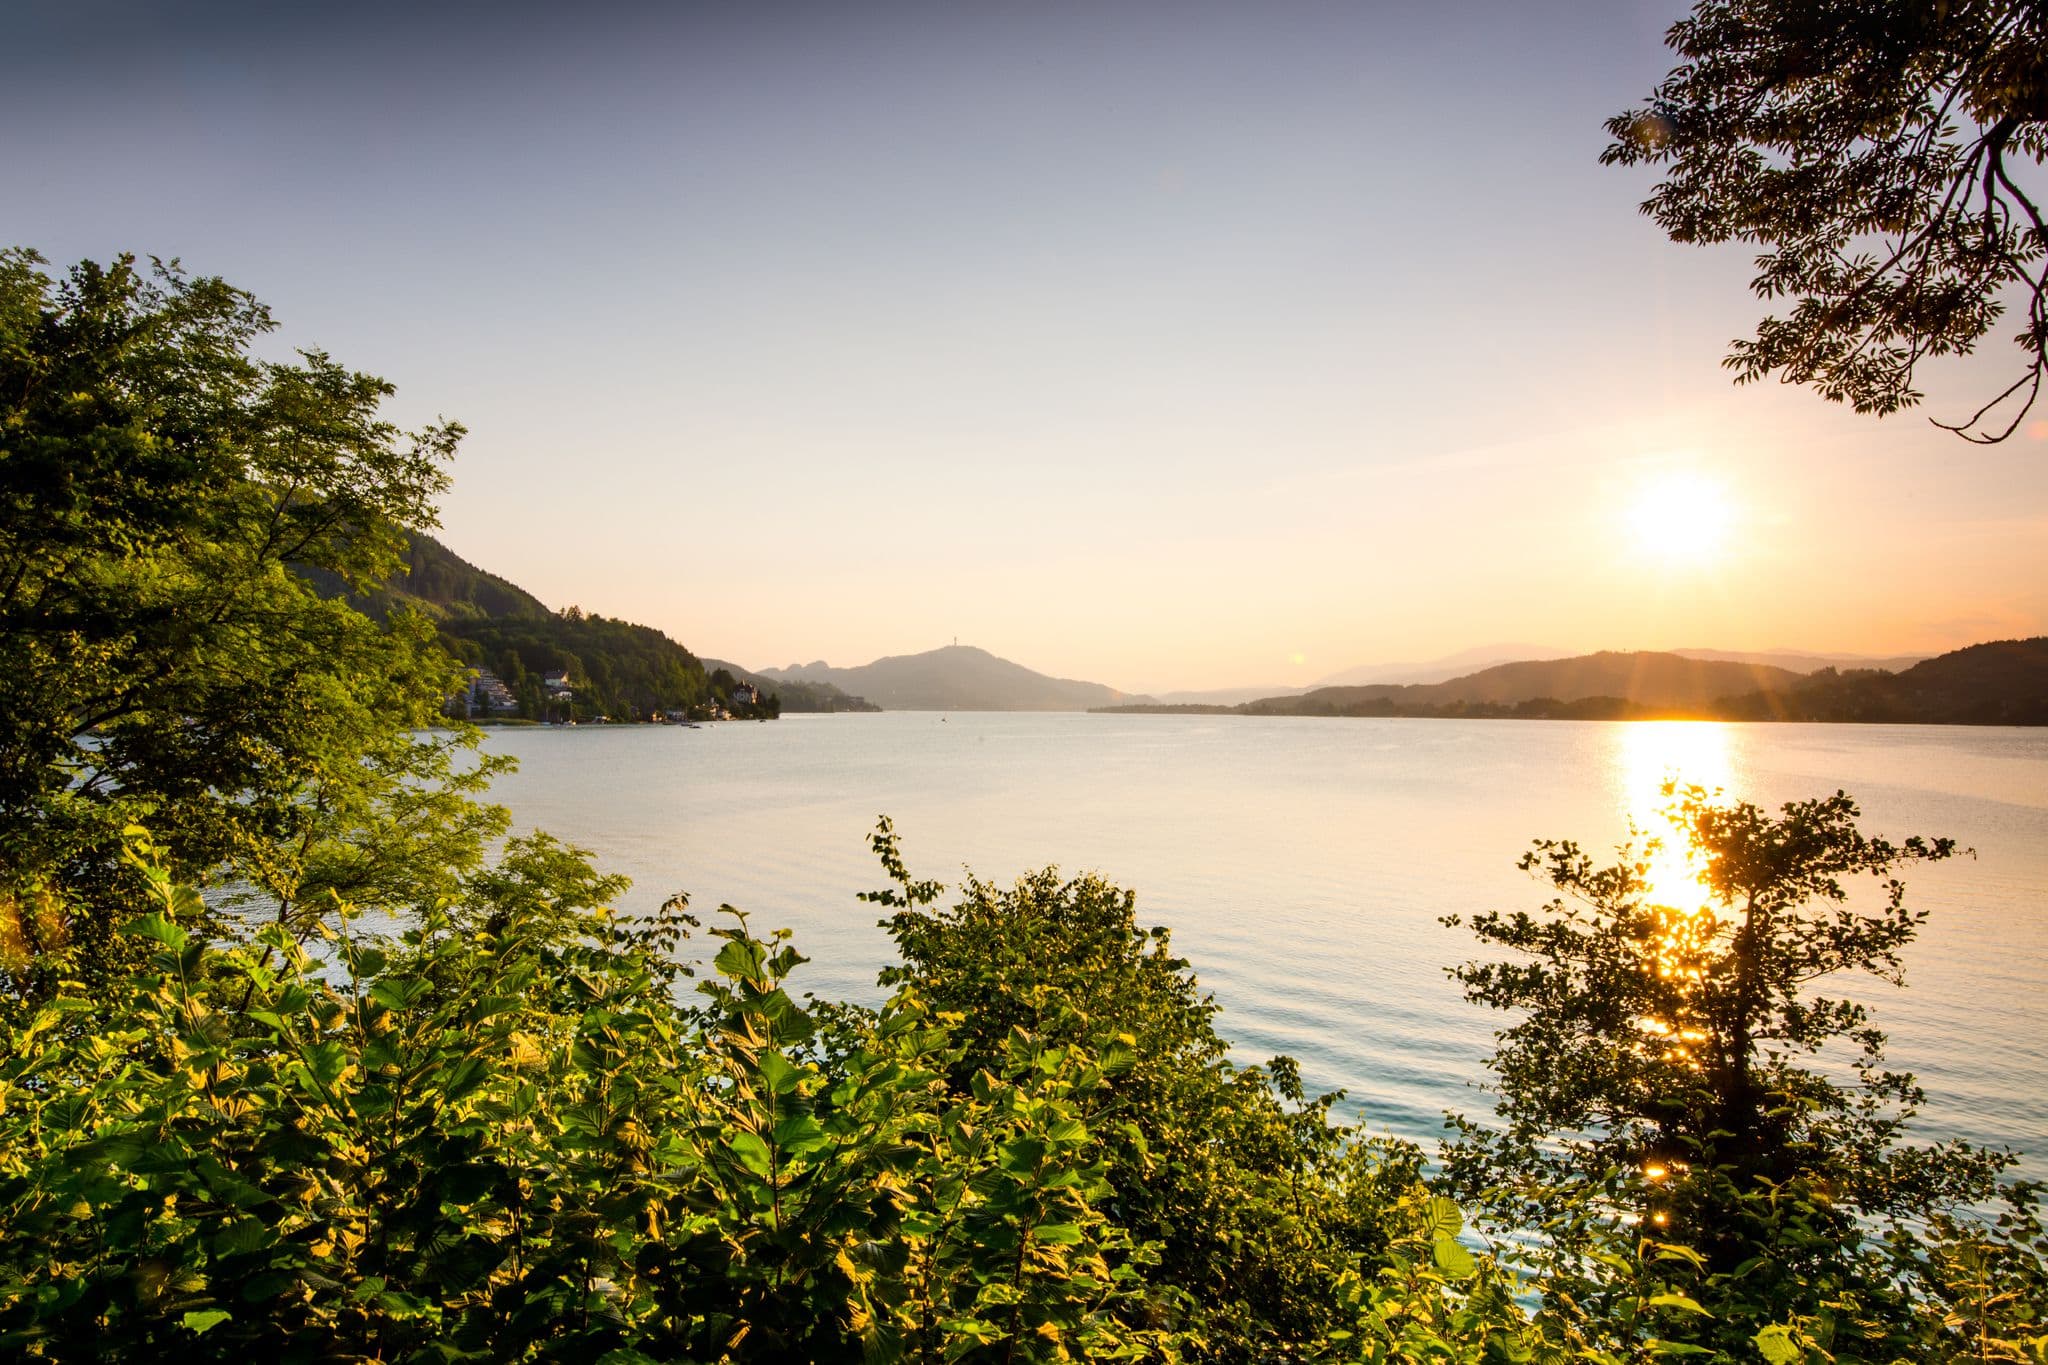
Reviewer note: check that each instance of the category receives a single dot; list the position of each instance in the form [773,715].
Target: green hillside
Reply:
[438,576]
[616,669]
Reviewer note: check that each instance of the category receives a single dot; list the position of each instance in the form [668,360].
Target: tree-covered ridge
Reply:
[616,669]
[436,576]
[951,678]
[1640,677]
[2001,682]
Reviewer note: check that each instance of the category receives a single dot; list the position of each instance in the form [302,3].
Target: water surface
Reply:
[1303,864]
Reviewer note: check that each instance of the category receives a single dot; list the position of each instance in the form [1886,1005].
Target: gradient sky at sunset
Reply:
[1165,345]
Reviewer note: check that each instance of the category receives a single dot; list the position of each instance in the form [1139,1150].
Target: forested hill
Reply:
[2004,682]
[437,575]
[439,583]
[1639,678]
[616,668]
[2001,682]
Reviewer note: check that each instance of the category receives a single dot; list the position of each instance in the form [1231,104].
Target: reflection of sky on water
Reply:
[1650,754]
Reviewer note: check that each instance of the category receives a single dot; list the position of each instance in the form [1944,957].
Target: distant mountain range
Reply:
[1225,696]
[1798,662]
[630,669]
[1435,670]
[1639,677]
[955,678]
[2003,682]
[1468,661]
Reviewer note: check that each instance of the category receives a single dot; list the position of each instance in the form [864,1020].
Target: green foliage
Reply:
[1692,1176]
[164,657]
[1263,1210]
[514,1142]
[1885,159]
[1429,1297]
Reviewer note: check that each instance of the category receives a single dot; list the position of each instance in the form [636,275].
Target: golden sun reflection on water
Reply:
[1652,754]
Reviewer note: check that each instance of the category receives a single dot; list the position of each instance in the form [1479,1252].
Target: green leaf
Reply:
[739,959]
[245,1234]
[1679,1301]
[1022,1154]
[1445,1218]
[1777,1345]
[114,1149]
[1067,1131]
[399,992]
[1058,1234]
[265,1286]
[200,1319]
[1453,1259]
[781,1074]
[158,928]
[800,1133]
[751,1151]
[326,1061]
[465,1076]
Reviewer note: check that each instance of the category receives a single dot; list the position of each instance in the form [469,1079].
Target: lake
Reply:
[1303,864]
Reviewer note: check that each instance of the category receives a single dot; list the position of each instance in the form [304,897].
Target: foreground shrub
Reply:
[1264,1211]
[508,1142]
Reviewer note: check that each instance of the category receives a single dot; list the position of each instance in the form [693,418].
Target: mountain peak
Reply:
[957,677]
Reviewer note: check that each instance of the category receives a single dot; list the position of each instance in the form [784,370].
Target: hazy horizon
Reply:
[1172,347]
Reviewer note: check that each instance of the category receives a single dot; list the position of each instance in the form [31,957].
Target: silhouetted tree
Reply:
[1878,155]
[1661,1080]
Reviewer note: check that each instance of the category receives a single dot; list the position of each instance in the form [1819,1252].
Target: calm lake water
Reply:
[1303,864]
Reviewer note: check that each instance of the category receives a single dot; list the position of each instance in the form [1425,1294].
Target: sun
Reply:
[1682,520]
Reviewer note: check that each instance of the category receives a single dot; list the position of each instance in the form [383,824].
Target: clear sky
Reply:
[1167,345]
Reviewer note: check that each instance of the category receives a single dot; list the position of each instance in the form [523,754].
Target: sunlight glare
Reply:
[1694,753]
[1681,520]
[1650,756]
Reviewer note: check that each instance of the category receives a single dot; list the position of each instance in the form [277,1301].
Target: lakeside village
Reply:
[487,700]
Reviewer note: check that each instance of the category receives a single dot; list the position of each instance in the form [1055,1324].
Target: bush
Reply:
[1264,1212]
[513,1142]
